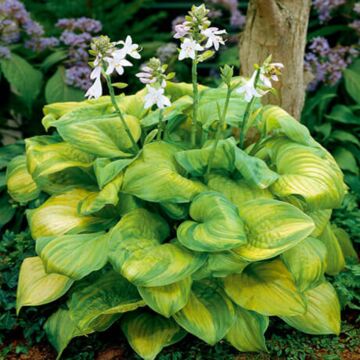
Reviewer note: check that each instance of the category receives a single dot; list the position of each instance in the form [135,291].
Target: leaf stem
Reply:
[161,125]
[248,112]
[219,131]
[120,114]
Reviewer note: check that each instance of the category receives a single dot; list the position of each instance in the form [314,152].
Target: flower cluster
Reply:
[16,25]
[356,23]
[197,35]
[327,63]
[109,58]
[76,36]
[260,82]
[324,8]
[154,76]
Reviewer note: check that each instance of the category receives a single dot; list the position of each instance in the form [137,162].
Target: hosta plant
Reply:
[205,216]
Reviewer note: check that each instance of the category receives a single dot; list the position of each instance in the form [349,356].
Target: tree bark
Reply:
[278,27]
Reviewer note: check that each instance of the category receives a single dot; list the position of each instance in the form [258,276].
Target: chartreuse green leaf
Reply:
[322,316]
[305,173]
[345,243]
[96,201]
[107,170]
[175,211]
[148,333]
[167,300]
[247,332]
[216,224]
[102,136]
[60,329]
[20,184]
[321,219]
[73,255]
[156,176]
[57,166]
[267,288]
[307,263]
[335,258]
[137,254]
[275,119]
[273,227]
[59,215]
[227,157]
[237,191]
[133,104]
[209,314]
[36,287]
[98,303]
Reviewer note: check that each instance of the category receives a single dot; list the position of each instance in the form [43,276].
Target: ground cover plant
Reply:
[180,208]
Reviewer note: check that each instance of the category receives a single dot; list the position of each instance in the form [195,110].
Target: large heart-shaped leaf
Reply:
[36,287]
[20,184]
[267,288]
[58,215]
[237,191]
[273,227]
[57,166]
[323,312]
[307,263]
[247,332]
[156,176]
[148,333]
[308,173]
[321,219]
[102,300]
[217,224]
[73,255]
[335,261]
[209,314]
[103,136]
[169,299]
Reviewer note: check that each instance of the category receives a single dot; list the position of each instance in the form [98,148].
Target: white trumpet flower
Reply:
[155,96]
[95,91]
[249,90]
[213,37]
[189,48]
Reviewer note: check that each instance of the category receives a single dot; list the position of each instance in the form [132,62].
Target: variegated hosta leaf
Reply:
[307,263]
[247,332]
[145,262]
[309,173]
[175,211]
[36,287]
[323,312]
[133,104]
[107,170]
[230,158]
[99,303]
[60,329]
[267,288]
[275,119]
[273,227]
[57,166]
[96,201]
[217,224]
[237,191]
[20,184]
[167,300]
[345,243]
[220,264]
[102,136]
[335,258]
[209,314]
[73,255]
[321,219]
[148,333]
[59,215]
[156,176]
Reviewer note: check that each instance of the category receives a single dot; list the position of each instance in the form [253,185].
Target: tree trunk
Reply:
[278,27]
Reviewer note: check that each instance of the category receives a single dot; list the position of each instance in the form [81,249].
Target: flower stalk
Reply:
[196,102]
[161,125]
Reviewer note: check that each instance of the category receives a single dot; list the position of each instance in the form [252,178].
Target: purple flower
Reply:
[78,76]
[4,52]
[38,44]
[70,38]
[82,24]
[324,8]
